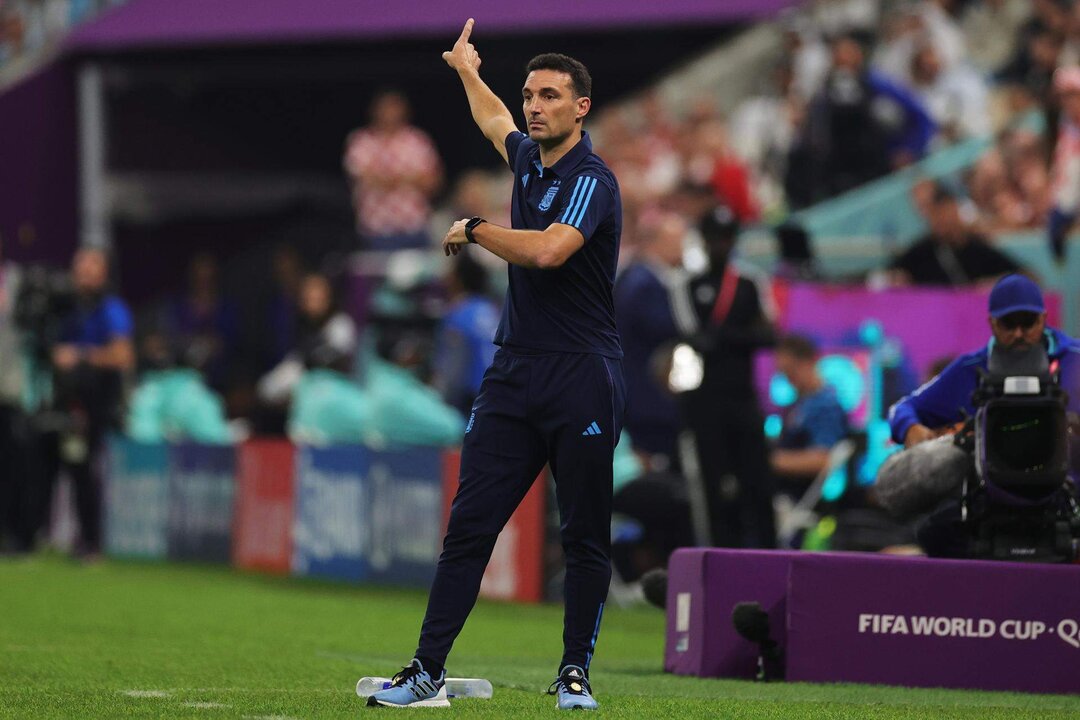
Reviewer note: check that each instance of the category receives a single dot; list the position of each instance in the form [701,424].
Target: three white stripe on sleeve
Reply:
[579,201]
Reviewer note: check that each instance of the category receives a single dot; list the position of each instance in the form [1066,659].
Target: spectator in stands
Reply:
[1034,65]
[1066,171]
[465,344]
[646,321]
[90,362]
[1010,184]
[955,97]
[1002,202]
[394,170]
[812,425]
[326,338]
[991,30]
[762,131]
[727,174]
[951,253]
[809,56]
[857,128]
[727,322]
[204,323]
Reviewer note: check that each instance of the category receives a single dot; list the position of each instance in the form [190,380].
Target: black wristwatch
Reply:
[469,226]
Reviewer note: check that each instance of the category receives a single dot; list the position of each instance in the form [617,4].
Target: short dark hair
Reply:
[945,192]
[580,80]
[799,347]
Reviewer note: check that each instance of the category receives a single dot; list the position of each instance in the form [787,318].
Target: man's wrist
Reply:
[471,226]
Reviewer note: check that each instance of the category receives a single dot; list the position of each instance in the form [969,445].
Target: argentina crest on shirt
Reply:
[549,197]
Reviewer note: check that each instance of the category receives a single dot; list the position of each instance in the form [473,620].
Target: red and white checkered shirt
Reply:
[371,157]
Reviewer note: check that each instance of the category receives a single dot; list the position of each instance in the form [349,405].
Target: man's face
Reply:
[314,296]
[800,372]
[1018,330]
[390,112]
[89,270]
[552,112]
[668,243]
[945,221]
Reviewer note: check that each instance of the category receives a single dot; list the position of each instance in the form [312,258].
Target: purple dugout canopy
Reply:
[147,24]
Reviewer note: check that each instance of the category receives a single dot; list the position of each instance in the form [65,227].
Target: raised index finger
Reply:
[466,31]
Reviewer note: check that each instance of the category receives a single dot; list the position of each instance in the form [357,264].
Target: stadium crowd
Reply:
[31,27]
[861,89]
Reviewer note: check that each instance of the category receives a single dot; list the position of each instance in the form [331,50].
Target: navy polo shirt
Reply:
[568,308]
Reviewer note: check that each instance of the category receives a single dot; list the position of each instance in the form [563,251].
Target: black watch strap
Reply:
[473,222]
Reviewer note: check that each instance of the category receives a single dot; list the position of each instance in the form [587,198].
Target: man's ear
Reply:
[584,104]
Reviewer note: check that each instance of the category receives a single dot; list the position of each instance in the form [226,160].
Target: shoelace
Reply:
[407,673]
[553,689]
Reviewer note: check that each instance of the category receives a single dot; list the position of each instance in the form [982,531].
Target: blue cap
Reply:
[1015,293]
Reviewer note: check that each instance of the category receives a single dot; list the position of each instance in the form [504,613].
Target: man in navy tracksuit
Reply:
[554,393]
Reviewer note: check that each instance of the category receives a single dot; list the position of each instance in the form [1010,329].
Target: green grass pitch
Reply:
[138,640]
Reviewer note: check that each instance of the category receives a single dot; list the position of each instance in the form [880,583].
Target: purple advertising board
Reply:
[934,623]
[847,617]
[148,23]
[701,639]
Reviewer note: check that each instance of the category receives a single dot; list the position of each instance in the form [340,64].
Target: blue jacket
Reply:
[943,400]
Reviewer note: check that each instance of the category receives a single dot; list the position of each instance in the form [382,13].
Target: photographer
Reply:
[90,361]
[1017,323]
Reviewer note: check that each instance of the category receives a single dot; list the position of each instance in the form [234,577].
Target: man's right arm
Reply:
[918,416]
[488,111]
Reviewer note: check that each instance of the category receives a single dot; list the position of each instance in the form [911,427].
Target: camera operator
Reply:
[90,362]
[1017,323]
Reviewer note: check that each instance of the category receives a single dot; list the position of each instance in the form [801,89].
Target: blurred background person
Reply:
[1065,196]
[812,425]
[858,127]
[325,337]
[643,312]
[465,339]
[205,322]
[394,170]
[172,402]
[90,364]
[951,253]
[727,321]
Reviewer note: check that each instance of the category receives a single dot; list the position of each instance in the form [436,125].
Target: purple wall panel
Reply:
[147,23]
[38,170]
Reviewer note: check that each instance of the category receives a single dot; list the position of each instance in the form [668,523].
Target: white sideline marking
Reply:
[148,693]
[205,705]
[268,717]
